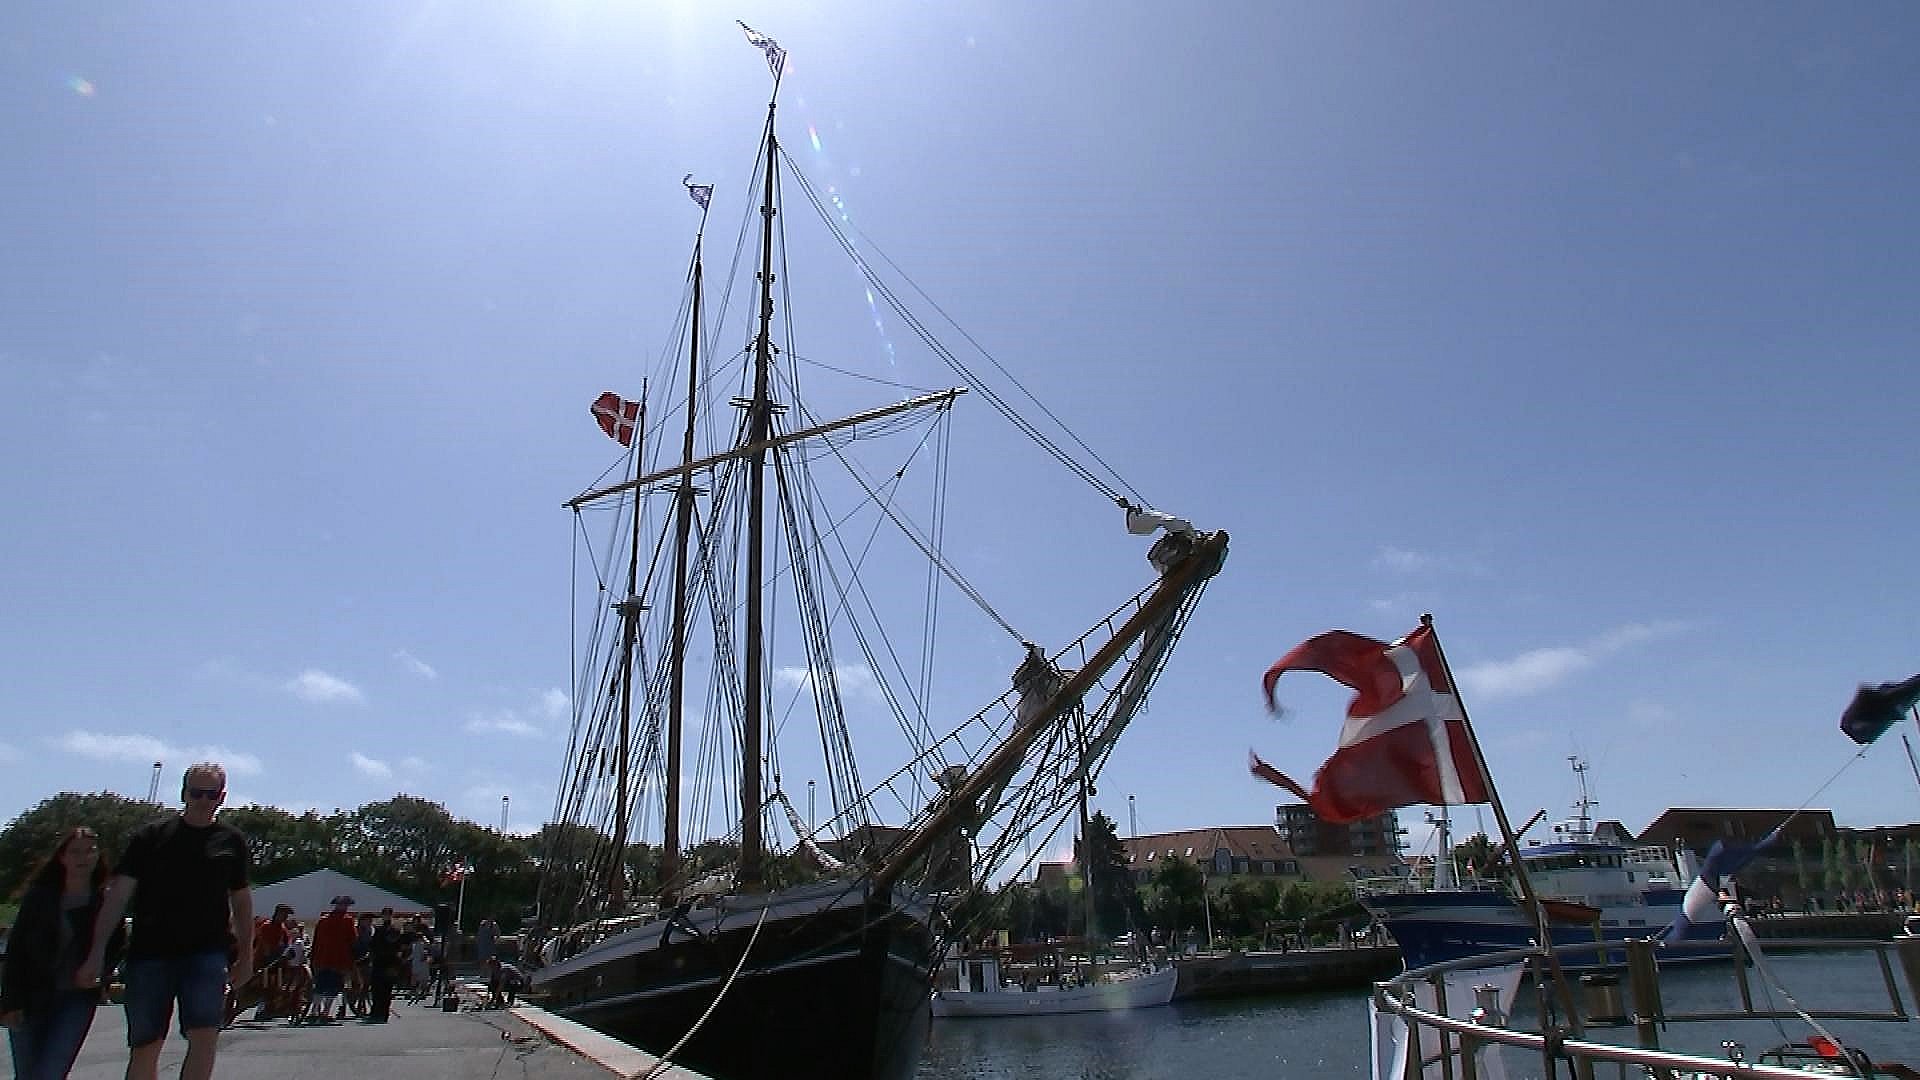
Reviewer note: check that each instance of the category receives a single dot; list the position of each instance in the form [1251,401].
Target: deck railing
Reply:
[1448,1047]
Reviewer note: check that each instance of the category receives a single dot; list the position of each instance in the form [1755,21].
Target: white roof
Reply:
[311,896]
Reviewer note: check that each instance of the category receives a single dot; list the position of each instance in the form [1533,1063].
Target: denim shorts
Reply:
[197,980]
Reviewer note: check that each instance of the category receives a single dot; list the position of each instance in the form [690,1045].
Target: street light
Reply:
[153,784]
[1206,904]
[1133,823]
[504,801]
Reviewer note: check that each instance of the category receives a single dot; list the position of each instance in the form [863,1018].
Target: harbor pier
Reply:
[420,1042]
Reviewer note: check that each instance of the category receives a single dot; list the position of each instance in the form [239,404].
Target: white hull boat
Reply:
[1125,990]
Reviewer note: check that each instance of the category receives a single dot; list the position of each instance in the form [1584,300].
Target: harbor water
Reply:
[1326,1034]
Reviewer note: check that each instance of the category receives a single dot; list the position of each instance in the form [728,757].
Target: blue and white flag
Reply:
[702,193]
[776,56]
[1701,915]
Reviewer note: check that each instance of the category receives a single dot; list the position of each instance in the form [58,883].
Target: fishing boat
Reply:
[1590,888]
[769,598]
[994,983]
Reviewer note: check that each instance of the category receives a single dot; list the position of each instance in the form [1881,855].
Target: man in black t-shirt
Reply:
[184,881]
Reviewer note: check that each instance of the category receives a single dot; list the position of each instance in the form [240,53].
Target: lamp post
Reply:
[1206,905]
[153,784]
[1133,823]
[460,902]
[809,808]
[505,800]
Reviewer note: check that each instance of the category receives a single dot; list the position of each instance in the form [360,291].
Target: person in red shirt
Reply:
[332,956]
[270,942]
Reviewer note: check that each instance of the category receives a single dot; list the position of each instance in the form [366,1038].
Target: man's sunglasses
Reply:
[203,793]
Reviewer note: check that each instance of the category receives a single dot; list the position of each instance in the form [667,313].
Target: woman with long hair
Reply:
[46,1015]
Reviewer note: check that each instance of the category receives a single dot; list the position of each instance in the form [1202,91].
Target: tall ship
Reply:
[1593,890]
[775,595]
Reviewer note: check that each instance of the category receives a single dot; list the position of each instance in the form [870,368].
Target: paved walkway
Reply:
[418,1043]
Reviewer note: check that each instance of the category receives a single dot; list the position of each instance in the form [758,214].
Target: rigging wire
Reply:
[819,549]
[1118,494]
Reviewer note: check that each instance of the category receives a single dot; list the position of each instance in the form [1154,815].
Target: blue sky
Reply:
[1589,331]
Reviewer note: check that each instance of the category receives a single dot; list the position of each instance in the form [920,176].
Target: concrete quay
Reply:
[420,1042]
[1252,973]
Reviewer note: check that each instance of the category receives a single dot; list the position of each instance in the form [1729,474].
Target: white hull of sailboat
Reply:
[1126,992]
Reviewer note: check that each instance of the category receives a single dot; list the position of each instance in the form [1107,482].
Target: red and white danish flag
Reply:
[1405,740]
[617,416]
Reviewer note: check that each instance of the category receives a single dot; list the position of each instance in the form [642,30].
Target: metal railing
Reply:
[1448,1047]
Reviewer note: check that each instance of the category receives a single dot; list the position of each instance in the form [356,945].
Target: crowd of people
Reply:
[349,964]
[196,948]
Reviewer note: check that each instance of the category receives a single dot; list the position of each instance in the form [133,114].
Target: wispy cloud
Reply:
[320,688]
[1403,603]
[854,680]
[416,665]
[1542,669]
[505,722]
[1406,562]
[548,708]
[146,748]
[1403,560]
[367,766]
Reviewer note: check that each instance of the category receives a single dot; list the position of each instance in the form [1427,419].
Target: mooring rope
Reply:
[666,1059]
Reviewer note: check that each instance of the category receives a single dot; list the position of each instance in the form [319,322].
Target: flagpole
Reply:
[1911,763]
[1561,990]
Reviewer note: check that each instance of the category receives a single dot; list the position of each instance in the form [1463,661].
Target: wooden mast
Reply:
[759,430]
[935,400]
[629,608]
[677,657]
[1200,561]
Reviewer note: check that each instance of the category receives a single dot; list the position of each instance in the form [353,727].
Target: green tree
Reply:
[31,837]
[566,860]
[1114,904]
[1476,855]
[282,844]
[1017,903]
[1176,893]
[1857,873]
[405,844]
[1248,906]
[502,876]
[1053,913]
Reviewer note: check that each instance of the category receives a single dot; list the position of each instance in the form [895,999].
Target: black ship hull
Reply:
[834,984]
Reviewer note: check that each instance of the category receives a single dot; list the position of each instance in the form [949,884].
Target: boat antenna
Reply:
[1583,818]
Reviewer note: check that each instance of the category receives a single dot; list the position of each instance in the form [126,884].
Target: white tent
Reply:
[311,895]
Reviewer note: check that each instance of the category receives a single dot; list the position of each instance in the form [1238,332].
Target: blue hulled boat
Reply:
[1593,890]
